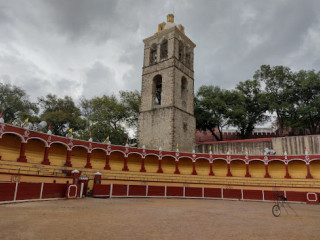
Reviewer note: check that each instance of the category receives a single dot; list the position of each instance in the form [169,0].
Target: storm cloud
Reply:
[90,48]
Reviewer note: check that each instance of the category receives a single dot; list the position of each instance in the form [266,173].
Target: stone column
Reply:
[68,159]
[211,172]
[287,172]
[247,170]
[125,165]
[160,166]
[229,172]
[267,175]
[309,176]
[46,156]
[177,168]
[22,157]
[107,166]
[194,171]
[143,169]
[88,165]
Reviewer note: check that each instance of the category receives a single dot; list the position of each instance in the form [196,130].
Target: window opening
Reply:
[158,89]
[188,57]
[153,54]
[180,50]
[164,49]
[184,91]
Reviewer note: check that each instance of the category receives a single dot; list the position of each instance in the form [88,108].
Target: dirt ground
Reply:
[142,218]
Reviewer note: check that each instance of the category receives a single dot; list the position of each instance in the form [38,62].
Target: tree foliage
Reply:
[131,101]
[210,110]
[279,87]
[247,106]
[306,107]
[15,103]
[110,116]
[61,113]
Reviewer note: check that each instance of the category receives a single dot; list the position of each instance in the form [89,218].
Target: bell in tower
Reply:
[166,113]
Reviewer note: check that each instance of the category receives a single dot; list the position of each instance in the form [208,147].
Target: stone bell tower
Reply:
[167,113]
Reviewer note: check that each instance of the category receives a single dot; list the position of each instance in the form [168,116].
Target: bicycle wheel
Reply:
[276,210]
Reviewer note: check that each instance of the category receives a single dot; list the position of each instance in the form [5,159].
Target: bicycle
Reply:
[280,199]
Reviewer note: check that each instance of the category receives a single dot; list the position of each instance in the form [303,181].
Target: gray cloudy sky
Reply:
[89,48]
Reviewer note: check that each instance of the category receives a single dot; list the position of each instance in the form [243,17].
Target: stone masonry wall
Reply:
[184,131]
[155,128]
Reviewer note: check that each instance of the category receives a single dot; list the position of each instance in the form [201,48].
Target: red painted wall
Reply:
[7,191]
[156,191]
[140,190]
[297,196]
[101,190]
[119,190]
[28,191]
[174,191]
[193,192]
[54,190]
[212,192]
[270,195]
[232,193]
[252,194]
[137,190]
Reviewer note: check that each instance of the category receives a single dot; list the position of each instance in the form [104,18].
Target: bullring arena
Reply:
[142,193]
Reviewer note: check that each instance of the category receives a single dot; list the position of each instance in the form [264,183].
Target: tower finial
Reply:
[170,18]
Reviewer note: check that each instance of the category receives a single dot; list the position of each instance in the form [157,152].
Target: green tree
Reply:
[279,86]
[15,103]
[247,107]
[131,101]
[306,112]
[61,114]
[210,110]
[108,116]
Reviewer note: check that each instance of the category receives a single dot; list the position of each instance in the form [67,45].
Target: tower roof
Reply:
[170,24]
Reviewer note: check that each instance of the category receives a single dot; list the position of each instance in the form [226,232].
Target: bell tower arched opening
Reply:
[153,54]
[157,89]
[164,49]
[184,91]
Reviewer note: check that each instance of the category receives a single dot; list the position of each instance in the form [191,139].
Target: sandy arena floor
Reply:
[156,219]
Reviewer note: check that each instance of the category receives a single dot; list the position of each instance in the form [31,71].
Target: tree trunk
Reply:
[215,135]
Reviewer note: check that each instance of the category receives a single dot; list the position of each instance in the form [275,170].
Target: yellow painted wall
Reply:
[10,147]
[185,166]
[238,168]
[37,179]
[151,164]
[134,162]
[315,169]
[79,157]
[257,169]
[297,169]
[168,165]
[203,167]
[277,169]
[45,179]
[35,151]
[98,159]
[57,154]
[116,161]
[220,168]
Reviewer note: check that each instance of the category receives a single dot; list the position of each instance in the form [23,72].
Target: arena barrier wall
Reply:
[25,191]
[127,190]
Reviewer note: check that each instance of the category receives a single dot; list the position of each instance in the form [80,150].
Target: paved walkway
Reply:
[141,218]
